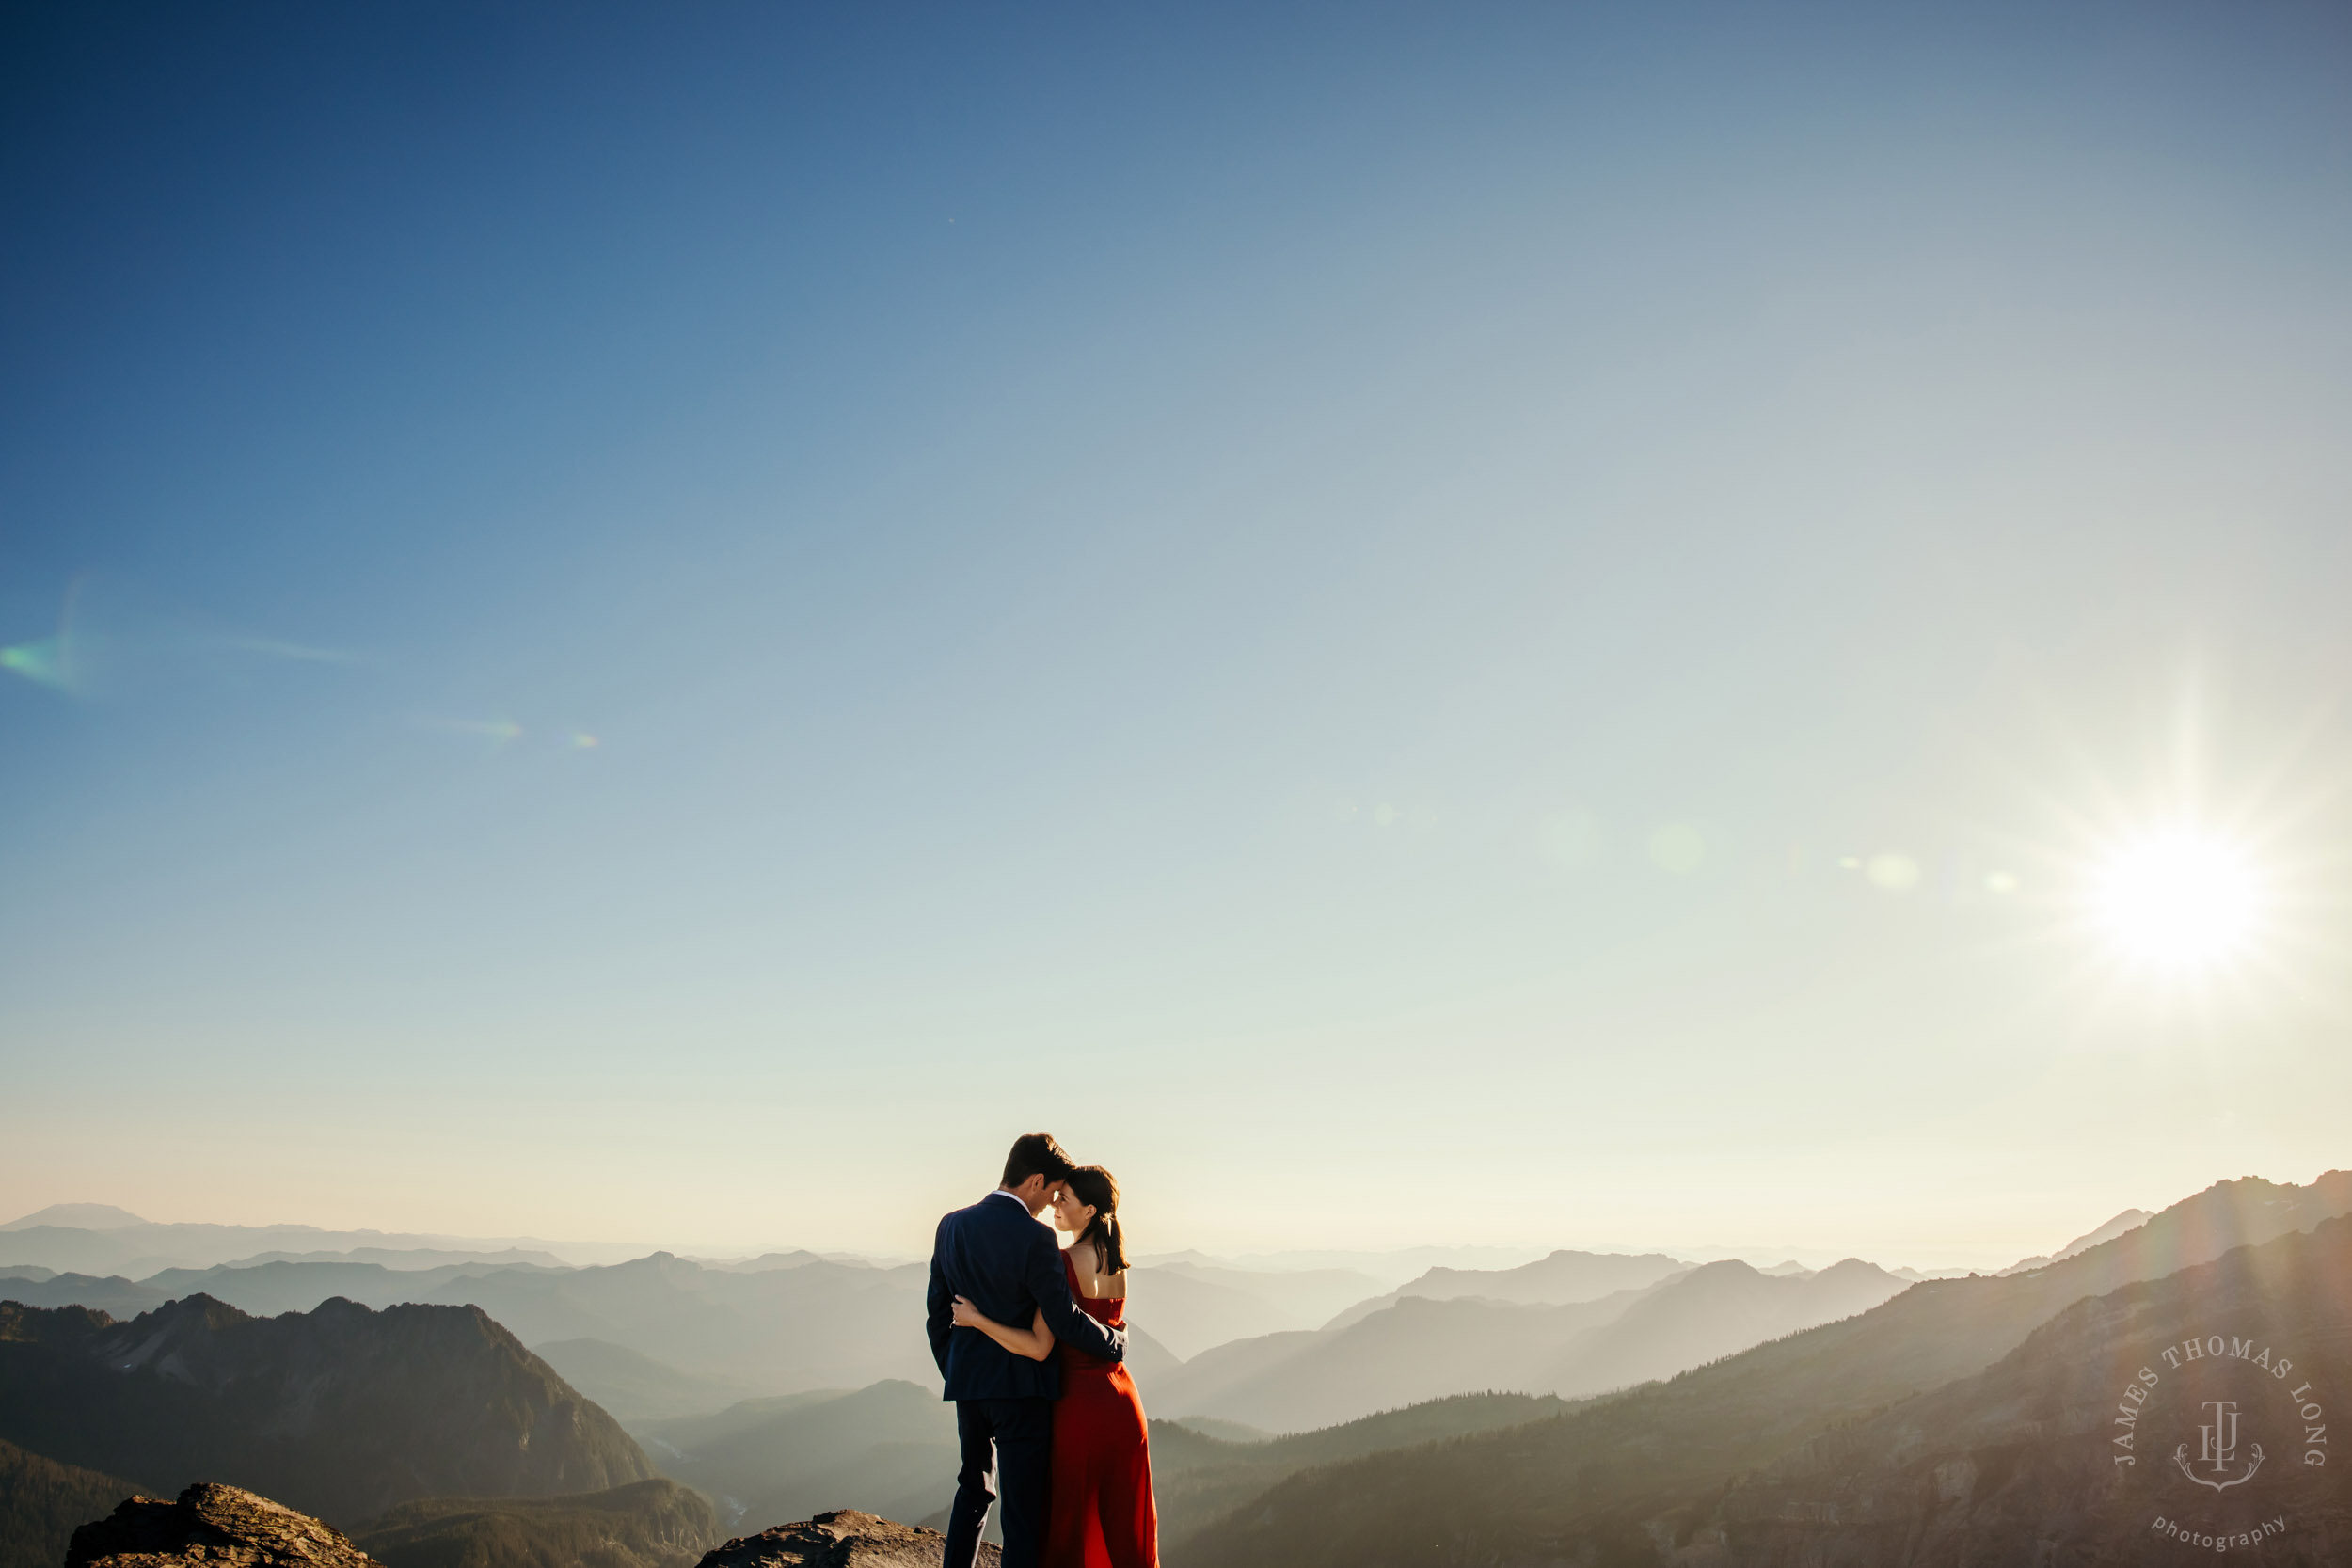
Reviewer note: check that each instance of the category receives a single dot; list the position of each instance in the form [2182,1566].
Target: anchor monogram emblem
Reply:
[2220,1449]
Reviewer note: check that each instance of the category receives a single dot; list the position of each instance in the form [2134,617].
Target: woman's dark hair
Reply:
[1092,1186]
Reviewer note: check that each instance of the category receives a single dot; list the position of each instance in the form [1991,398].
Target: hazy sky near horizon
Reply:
[1492,624]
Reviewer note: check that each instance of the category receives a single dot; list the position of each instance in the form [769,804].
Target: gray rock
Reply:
[220,1527]
[845,1539]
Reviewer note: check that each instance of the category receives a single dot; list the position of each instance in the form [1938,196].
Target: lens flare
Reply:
[496,731]
[42,662]
[2177,899]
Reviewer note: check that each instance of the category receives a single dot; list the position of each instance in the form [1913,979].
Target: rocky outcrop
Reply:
[847,1538]
[218,1527]
[342,1412]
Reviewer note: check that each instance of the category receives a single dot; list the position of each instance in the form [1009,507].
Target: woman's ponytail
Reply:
[1114,1250]
[1092,1186]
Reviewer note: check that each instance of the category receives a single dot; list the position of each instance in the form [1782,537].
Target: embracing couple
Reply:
[1057,1433]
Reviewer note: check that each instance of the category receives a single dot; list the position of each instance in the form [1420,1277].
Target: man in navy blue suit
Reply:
[996,1256]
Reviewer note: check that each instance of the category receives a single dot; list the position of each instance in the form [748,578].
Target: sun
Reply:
[2177,899]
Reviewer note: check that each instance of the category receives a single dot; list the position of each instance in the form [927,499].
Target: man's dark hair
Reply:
[1035,1154]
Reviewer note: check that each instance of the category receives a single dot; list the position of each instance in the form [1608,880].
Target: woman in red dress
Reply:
[1100,1513]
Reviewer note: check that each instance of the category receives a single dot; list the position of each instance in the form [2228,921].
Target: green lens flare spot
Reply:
[42,662]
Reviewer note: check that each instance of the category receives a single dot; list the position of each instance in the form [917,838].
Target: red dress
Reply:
[1102,1515]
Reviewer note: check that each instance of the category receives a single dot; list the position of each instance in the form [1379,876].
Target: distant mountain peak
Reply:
[78,1216]
[2122,1224]
[174,1324]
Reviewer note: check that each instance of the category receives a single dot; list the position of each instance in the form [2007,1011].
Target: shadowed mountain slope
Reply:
[1593,1481]
[648,1524]
[42,1502]
[342,1412]
[2045,1451]
[1197,1477]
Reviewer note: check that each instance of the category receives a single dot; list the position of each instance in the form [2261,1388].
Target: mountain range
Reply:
[664,1336]
[1634,1477]
[1417,1348]
[773,1325]
[1197,1477]
[98,1238]
[342,1412]
[661,1335]
[1716,1415]
[1987,1469]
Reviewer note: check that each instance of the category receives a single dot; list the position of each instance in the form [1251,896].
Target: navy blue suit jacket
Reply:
[1002,1261]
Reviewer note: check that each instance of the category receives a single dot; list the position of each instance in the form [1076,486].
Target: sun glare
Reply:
[2177,899]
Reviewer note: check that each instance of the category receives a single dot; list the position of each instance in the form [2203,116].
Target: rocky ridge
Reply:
[210,1526]
[846,1539]
[220,1527]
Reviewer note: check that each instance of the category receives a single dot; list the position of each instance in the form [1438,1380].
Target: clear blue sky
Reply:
[1309,597]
